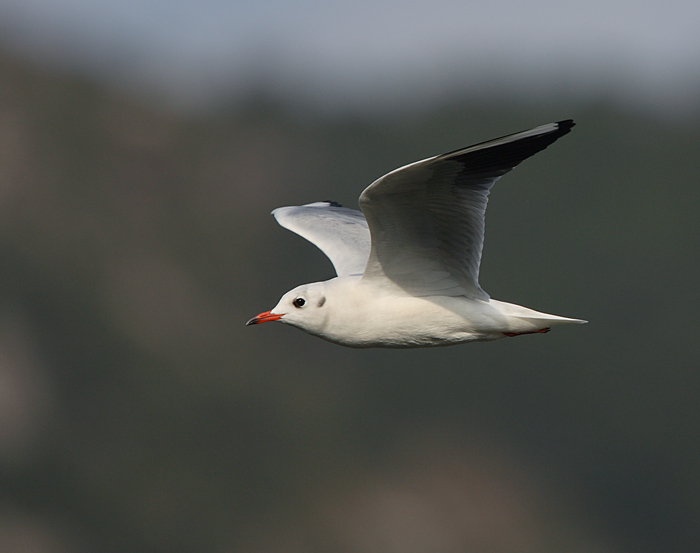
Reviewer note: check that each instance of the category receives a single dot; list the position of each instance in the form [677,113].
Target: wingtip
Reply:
[324,203]
[566,125]
[275,212]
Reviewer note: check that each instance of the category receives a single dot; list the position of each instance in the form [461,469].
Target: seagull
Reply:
[408,263]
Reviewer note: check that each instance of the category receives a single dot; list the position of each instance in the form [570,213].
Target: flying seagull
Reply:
[408,263]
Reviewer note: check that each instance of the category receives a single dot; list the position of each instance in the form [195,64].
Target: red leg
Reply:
[540,331]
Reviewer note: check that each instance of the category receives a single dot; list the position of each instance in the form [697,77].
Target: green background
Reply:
[138,413]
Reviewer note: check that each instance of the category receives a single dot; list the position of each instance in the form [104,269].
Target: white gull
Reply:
[408,264]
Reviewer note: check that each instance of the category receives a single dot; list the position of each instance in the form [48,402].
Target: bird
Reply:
[407,264]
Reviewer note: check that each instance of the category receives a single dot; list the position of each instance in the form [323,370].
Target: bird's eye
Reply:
[299,302]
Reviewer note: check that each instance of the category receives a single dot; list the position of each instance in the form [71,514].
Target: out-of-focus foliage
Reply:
[138,414]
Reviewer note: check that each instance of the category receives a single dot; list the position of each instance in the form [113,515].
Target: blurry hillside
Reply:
[138,414]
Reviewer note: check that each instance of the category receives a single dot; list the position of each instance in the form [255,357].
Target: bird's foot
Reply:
[540,331]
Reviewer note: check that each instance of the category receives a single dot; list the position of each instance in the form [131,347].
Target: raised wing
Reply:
[427,218]
[339,232]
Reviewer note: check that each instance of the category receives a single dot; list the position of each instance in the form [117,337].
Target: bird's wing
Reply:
[427,218]
[339,232]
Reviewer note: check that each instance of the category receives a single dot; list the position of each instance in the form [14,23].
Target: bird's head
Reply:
[303,307]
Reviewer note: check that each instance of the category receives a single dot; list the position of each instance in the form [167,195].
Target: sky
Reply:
[370,52]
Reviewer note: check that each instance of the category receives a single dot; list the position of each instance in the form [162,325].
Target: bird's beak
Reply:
[263,318]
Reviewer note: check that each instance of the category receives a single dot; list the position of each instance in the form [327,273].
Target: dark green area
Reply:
[142,416]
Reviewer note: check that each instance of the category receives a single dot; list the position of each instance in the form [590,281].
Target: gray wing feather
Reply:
[427,218]
[340,233]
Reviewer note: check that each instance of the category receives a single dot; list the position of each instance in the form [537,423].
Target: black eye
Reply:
[299,302]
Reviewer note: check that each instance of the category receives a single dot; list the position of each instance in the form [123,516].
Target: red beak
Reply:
[263,318]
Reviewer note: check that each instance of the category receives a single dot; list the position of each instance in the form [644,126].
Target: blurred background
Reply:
[142,147]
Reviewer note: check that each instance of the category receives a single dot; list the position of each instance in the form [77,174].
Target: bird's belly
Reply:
[415,322]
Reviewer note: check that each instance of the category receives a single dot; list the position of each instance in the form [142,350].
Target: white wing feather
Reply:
[341,233]
[427,218]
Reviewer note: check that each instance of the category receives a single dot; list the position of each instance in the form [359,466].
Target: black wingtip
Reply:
[566,125]
[331,203]
[496,157]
